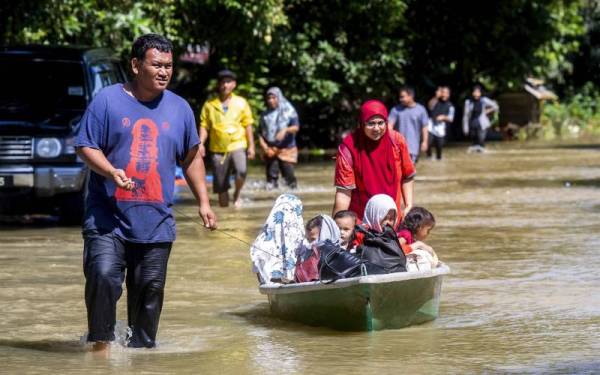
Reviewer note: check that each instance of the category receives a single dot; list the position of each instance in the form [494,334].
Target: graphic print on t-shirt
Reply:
[143,165]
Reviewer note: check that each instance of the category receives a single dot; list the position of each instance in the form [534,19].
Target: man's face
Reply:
[406,99]
[445,93]
[226,86]
[476,94]
[154,72]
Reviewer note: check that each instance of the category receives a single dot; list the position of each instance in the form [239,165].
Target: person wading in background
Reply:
[278,127]
[226,121]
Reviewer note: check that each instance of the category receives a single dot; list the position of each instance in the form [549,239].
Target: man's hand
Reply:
[281,134]
[202,149]
[440,118]
[121,179]
[251,153]
[424,146]
[208,217]
[405,211]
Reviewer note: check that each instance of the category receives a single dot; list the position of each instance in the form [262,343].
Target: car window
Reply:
[39,90]
[104,74]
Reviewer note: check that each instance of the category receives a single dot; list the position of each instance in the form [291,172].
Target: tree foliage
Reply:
[328,56]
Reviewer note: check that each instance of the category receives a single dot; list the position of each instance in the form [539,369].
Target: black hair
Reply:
[416,218]
[345,213]
[478,87]
[149,41]
[407,89]
[315,222]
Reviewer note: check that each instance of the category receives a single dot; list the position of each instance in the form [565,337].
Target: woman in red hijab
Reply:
[373,160]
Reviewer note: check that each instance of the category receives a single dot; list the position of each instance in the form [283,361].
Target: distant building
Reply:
[524,107]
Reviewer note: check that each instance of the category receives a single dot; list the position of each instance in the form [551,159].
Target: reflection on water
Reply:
[518,226]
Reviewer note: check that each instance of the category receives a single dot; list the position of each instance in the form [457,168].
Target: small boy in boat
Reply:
[413,230]
[346,221]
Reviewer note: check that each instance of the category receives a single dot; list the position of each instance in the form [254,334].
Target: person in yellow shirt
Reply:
[226,121]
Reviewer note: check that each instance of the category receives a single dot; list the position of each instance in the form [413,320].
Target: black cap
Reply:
[226,73]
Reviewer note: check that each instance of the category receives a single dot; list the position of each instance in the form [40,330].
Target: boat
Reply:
[365,303]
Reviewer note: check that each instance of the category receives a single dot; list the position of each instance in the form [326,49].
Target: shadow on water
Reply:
[49,346]
[260,316]
[580,367]
[31,221]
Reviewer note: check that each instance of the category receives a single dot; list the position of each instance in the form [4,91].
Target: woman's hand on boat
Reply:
[208,217]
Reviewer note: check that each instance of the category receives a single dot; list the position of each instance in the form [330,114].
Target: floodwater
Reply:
[518,226]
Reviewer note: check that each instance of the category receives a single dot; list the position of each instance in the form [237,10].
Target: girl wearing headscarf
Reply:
[380,211]
[373,160]
[320,230]
[278,127]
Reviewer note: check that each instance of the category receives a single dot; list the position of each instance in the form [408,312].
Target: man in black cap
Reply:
[226,121]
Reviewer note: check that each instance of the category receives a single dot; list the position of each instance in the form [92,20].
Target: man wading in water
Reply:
[132,136]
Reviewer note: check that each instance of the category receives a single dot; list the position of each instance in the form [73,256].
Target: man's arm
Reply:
[203,138]
[195,175]
[250,137]
[424,137]
[96,160]
[407,195]
[342,200]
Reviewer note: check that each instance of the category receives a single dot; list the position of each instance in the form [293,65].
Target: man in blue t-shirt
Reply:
[410,119]
[132,136]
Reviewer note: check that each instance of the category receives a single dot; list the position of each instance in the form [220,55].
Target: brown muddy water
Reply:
[519,227]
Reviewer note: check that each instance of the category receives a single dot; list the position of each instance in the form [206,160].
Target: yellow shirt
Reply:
[226,130]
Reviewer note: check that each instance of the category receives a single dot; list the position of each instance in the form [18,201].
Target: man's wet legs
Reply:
[146,276]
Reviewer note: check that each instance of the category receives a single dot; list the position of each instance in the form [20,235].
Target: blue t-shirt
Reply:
[146,140]
[410,121]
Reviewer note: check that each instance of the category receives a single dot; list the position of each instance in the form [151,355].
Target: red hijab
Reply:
[373,161]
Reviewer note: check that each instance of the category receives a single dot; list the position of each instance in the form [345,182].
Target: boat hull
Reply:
[363,303]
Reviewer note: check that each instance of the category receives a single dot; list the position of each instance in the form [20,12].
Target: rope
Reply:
[199,221]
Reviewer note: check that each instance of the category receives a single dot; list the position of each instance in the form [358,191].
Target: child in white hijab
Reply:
[381,211]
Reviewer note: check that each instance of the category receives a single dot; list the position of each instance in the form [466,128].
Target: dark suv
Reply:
[44,93]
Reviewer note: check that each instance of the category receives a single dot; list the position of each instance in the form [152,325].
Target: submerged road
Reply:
[519,226]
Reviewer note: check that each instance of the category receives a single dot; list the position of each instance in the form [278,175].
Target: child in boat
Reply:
[319,229]
[380,245]
[313,228]
[346,221]
[414,230]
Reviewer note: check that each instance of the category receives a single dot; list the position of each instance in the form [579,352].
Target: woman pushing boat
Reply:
[373,160]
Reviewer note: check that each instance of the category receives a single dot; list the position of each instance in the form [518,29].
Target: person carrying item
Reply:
[226,121]
[132,136]
[442,115]
[410,119]
[373,160]
[380,244]
[277,138]
[476,120]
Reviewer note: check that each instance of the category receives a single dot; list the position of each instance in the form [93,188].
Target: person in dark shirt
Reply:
[132,136]
[442,115]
